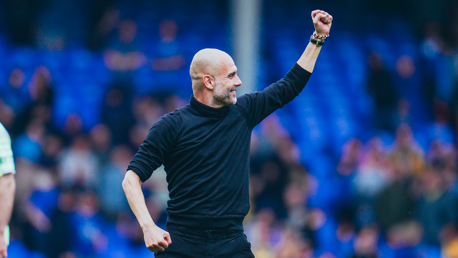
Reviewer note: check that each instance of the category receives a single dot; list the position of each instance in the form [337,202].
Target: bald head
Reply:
[208,61]
[214,78]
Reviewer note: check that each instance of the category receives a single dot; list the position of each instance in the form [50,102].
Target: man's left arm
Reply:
[262,104]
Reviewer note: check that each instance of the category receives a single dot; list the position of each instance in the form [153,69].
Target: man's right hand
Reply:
[156,239]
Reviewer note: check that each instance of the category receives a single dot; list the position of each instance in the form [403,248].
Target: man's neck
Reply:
[206,99]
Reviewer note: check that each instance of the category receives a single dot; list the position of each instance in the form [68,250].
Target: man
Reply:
[7,188]
[205,150]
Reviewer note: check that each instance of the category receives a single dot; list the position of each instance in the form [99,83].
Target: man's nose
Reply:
[238,82]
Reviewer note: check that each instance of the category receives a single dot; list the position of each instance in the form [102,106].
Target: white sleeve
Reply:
[6,154]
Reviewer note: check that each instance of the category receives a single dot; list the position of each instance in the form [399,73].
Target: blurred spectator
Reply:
[7,115]
[373,170]
[381,88]
[89,239]
[72,128]
[436,207]
[440,129]
[168,61]
[346,169]
[371,178]
[406,157]
[42,101]
[295,197]
[351,157]
[147,111]
[78,165]
[52,152]
[264,234]
[274,180]
[431,48]
[61,218]
[43,200]
[135,135]
[109,190]
[101,139]
[405,67]
[366,243]
[29,144]
[14,94]
[103,21]
[403,240]
[395,203]
[117,115]
[123,56]
[270,168]
[168,56]
[292,246]
[450,243]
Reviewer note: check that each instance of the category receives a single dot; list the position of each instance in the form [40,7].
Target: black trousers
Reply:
[190,243]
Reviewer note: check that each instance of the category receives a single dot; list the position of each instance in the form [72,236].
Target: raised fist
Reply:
[322,22]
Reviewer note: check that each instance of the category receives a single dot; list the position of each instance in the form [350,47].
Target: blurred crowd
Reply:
[69,200]
[393,194]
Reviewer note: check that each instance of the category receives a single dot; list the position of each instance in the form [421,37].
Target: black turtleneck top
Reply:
[206,154]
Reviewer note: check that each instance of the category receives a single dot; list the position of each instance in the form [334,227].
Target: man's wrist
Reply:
[316,42]
[320,36]
[147,225]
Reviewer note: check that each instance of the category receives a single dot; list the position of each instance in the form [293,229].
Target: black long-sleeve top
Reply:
[206,154]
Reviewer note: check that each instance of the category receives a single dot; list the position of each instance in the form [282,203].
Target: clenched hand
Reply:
[156,239]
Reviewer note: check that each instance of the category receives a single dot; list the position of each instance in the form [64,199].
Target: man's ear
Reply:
[209,82]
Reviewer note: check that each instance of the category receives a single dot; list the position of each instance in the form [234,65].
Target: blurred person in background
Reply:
[436,208]
[407,157]
[7,188]
[109,189]
[28,145]
[395,203]
[101,140]
[62,225]
[351,158]
[381,87]
[205,204]
[117,114]
[168,54]
[168,60]
[42,201]
[42,97]
[14,94]
[90,238]
[365,245]
[402,240]
[265,233]
[104,20]
[123,56]
[78,164]
[371,178]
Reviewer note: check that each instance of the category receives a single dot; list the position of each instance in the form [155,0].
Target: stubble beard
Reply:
[223,96]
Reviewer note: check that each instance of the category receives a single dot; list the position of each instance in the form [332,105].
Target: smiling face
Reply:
[214,78]
[226,82]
